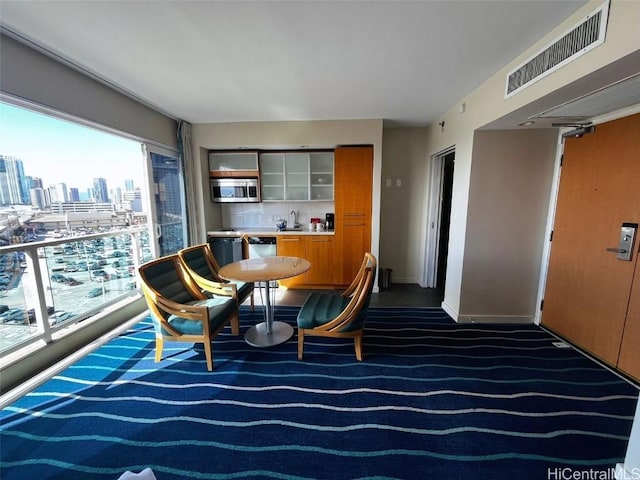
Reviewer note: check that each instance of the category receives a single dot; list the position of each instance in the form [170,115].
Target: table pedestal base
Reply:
[257,335]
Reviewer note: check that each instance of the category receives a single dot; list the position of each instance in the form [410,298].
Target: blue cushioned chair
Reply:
[202,266]
[339,315]
[179,309]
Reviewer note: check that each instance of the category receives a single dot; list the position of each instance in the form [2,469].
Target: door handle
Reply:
[625,244]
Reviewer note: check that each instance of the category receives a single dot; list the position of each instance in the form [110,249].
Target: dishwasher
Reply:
[259,247]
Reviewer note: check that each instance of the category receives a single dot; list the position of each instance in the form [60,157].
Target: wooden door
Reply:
[588,289]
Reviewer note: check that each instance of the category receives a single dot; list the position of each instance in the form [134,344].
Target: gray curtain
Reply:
[191,181]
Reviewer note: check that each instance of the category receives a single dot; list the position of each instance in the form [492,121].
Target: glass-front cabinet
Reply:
[321,175]
[297,176]
[233,162]
[272,176]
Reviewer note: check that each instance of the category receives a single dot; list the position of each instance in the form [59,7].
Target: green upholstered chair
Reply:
[179,309]
[202,266]
[339,315]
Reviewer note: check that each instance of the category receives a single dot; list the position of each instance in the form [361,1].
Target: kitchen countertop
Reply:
[264,232]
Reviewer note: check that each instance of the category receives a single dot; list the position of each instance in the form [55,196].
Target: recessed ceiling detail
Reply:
[611,98]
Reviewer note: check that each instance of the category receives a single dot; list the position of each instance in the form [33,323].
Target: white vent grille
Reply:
[583,37]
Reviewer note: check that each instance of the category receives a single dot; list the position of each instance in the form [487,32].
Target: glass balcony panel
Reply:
[17,321]
[78,278]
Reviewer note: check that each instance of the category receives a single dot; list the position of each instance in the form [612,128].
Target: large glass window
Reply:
[168,202]
[85,193]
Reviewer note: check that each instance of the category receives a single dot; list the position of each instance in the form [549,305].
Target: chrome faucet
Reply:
[295,218]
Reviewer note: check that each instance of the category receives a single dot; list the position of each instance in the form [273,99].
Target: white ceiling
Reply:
[406,62]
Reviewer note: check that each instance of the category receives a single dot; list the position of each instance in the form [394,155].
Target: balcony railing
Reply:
[54,284]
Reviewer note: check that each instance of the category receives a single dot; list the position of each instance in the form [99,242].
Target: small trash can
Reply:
[384,278]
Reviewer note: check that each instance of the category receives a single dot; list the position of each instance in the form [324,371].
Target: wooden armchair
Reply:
[201,265]
[339,315]
[179,309]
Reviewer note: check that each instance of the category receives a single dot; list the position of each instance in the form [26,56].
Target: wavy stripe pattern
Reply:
[433,399]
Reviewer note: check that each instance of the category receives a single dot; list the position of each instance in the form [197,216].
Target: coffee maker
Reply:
[330,223]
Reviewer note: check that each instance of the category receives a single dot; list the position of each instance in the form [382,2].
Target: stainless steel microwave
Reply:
[235,190]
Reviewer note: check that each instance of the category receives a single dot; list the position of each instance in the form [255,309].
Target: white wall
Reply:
[487,104]
[403,214]
[327,134]
[511,178]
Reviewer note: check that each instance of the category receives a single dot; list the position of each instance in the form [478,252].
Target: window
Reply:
[83,191]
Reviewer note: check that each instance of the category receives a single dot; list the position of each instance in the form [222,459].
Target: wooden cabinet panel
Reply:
[353,180]
[291,246]
[357,241]
[321,254]
[353,192]
[319,250]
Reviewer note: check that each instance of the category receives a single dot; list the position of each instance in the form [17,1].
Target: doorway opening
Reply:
[439,217]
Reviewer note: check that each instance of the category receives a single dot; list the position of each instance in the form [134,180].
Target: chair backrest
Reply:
[355,313]
[200,259]
[166,277]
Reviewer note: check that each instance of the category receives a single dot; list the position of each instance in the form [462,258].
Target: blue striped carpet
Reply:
[432,399]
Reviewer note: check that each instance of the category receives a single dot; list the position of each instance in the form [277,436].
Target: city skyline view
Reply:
[58,151]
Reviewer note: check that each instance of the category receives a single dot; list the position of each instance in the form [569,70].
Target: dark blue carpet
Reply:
[433,399]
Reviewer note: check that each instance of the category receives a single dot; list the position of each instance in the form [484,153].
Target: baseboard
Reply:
[452,312]
[519,319]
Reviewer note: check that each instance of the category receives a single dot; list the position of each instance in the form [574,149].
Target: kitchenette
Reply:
[313,204]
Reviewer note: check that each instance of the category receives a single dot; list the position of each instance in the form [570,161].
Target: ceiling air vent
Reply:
[583,37]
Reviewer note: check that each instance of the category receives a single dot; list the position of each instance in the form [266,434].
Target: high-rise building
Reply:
[128,185]
[58,193]
[100,191]
[116,195]
[5,198]
[133,200]
[36,182]
[13,186]
[74,194]
[38,198]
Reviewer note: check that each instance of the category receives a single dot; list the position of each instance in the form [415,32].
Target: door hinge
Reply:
[561,159]
[551,236]
[541,304]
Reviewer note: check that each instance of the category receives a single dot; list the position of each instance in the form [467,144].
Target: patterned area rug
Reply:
[432,399]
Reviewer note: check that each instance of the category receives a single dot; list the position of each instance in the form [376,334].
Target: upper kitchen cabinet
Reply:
[321,175]
[297,176]
[272,176]
[233,164]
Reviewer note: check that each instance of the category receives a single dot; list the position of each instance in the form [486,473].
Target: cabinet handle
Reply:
[353,224]
[290,240]
[353,214]
[324,240]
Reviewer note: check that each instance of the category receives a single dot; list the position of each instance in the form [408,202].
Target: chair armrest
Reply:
[192,312]
[223,289]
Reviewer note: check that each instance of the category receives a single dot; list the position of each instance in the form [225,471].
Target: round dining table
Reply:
[265,270]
